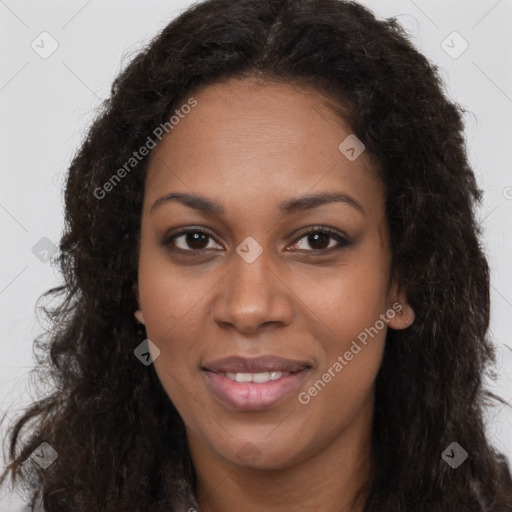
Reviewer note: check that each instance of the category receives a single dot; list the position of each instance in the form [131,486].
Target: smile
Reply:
[254,384]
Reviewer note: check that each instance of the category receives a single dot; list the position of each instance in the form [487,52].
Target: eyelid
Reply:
[319,228]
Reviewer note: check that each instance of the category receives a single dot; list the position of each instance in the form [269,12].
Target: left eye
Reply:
[321,240]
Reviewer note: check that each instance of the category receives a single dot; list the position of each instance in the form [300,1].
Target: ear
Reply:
[138,312]
[401,315]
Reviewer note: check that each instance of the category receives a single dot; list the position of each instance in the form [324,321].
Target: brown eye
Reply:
[192,240]
[320,240]
[196,240]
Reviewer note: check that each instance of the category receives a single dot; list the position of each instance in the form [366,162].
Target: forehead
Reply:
[248,139]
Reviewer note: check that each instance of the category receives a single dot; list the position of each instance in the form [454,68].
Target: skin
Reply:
[249,145]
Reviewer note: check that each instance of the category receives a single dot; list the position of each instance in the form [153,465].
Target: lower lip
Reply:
[252,396]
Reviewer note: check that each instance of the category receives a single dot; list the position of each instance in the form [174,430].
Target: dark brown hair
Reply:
[119,439]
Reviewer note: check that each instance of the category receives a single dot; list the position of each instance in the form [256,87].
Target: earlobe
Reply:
[138,313]
[403,315]
[139,316]
[400,313]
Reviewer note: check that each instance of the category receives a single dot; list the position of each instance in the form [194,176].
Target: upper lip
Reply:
[266,363]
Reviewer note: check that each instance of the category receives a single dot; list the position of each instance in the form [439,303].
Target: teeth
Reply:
[260,377]
[256,377]
[243,377]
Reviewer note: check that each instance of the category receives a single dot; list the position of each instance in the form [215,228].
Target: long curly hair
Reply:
[120,441]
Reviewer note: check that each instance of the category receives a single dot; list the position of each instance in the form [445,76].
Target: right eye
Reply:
[191,240]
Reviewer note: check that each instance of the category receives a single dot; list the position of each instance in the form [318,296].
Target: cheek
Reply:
[349,302]
[343,383]
[168,295]
[174,322]
[172,314]
[345,300]
[172,308]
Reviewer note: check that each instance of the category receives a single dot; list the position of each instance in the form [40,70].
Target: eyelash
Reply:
[343,241]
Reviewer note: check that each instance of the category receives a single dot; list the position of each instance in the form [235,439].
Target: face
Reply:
[273,252]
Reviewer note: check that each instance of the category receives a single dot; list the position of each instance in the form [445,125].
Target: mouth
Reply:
[256,384]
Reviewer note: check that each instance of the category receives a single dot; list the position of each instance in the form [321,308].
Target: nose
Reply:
[252,295]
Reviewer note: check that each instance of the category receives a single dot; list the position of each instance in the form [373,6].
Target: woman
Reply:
[275,294]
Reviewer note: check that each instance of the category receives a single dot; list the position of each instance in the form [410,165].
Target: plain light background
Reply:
[47,103]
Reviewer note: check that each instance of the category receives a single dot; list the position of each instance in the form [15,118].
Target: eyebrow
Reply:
[289,206]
